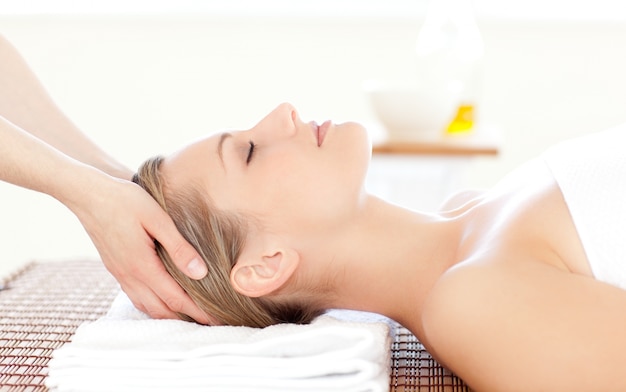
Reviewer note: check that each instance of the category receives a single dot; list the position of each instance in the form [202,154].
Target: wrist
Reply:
[79,185]
[113,168]
[123,173]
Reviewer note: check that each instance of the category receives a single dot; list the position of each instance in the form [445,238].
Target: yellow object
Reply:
[463,121]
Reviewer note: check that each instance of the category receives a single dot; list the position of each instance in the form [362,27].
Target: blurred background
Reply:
[144,77]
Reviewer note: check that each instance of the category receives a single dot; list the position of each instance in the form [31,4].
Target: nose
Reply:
[288,109]
[281,121]
[287,113]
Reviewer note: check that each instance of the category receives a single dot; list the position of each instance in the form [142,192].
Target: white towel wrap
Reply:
[591,172]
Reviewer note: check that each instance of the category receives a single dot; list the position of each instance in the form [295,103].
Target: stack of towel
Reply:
[127,351]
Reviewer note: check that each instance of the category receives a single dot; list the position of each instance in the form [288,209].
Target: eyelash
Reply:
[250,151]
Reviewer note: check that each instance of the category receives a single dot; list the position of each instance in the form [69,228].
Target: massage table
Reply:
[42,304]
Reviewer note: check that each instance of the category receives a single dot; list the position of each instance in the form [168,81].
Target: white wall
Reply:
[141,86]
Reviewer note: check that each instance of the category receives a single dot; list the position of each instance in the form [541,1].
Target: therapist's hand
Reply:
[42,150]
[122,221]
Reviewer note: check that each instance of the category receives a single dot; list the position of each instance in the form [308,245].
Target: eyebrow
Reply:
[220,145]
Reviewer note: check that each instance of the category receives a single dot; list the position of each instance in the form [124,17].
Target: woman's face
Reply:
[285,172]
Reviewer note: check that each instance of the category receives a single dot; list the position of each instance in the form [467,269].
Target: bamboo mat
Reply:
[42,304]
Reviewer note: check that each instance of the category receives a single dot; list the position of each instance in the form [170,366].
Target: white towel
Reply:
[591,172]
[127,351]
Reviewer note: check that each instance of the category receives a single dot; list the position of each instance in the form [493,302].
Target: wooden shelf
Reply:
[463,145]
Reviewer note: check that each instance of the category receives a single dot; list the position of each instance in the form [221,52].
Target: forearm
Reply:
[30,163]
[42,150]
[25,103]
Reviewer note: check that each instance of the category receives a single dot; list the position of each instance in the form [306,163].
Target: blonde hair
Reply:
[218,236]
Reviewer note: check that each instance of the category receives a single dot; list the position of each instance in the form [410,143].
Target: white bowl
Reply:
[409,112]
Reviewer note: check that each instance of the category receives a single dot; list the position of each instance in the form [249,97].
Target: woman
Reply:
[497,285]
[42,150]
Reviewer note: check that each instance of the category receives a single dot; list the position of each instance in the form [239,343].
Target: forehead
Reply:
[191,163]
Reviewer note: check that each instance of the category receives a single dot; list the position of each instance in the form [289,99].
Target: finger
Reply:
[153,290]
[171,295]
[177,300]
[149,303]
[136,281]
[183,255]
[168,303]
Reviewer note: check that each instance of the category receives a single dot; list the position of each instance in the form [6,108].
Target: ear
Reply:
[256,276]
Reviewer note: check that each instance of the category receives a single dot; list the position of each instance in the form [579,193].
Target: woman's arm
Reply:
[528,327]
[120,218]
[25,103]
[42,150]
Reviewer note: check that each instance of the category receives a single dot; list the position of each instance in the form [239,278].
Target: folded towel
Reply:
[127,351]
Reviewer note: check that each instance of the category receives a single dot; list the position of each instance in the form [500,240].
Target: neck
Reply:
[389,258]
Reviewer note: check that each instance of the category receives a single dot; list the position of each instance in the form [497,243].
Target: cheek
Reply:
[296,189]
[284,192]
[322,196]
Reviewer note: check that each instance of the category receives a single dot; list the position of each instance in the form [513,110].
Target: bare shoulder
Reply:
[527,326]
[451,301]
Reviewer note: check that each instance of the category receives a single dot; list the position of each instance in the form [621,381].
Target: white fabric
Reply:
[127,351]
[591,172]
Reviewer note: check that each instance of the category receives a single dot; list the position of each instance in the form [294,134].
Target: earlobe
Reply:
[262,275]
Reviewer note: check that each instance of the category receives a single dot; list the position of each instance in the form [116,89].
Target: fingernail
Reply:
[197,269]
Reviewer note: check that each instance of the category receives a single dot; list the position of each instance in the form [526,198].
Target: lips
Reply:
[320,131]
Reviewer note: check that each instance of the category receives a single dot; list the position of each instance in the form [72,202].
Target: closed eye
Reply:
[250,152]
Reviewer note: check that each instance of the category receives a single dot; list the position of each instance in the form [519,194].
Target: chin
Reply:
[354,148]
[363,150]
[366,144]
[360,136]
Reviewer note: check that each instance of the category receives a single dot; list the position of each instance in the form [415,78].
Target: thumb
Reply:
[183,255]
